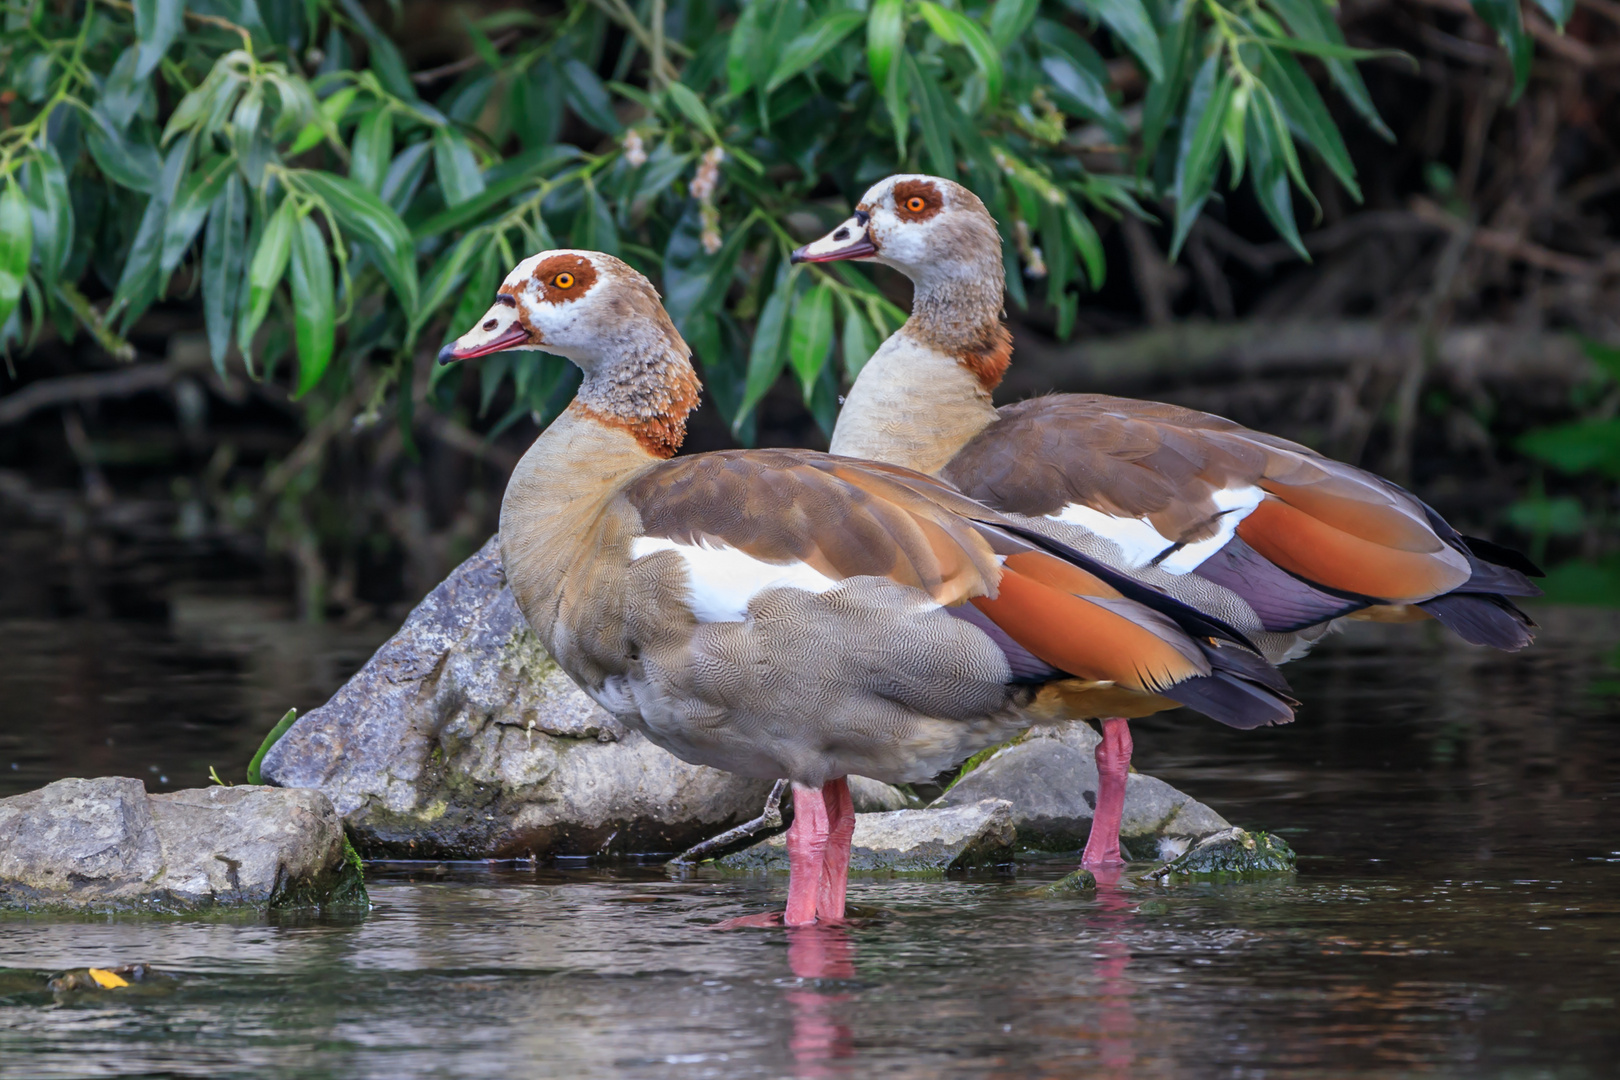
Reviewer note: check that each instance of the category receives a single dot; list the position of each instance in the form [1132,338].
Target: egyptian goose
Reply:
[786,613]
[1269,536]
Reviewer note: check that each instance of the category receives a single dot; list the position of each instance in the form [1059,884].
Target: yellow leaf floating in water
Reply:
[107,980]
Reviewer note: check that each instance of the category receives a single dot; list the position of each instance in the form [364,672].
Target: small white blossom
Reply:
[635,151]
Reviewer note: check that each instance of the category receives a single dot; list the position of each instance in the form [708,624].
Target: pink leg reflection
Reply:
[819,952]
[1116,1019]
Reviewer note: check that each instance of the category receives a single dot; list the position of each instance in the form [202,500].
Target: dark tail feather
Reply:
[1483,619]
[1503,556]
[1237,661]
[1231,699]
[1283,602]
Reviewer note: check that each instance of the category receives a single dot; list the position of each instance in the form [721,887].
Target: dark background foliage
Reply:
[232,234]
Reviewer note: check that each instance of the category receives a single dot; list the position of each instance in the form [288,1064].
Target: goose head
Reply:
[606,317]
[583,305]
[926,227]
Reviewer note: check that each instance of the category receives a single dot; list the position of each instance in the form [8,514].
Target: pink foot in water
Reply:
[818,845]
[1113,766]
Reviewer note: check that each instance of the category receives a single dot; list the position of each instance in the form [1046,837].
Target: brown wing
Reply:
[1322,521]
[848,518]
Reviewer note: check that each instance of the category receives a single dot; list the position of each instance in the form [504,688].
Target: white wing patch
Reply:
[724,580]
[1140,543]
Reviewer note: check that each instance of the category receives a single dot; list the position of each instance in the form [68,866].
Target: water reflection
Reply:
[820,955]
[1116,1021]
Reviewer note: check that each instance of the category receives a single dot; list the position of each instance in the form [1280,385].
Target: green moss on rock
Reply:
[1230,853]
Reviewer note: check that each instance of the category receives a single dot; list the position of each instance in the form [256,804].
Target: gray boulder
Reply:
[1050,777]
[461,738]
[874,796]
[106,845]
[909,841]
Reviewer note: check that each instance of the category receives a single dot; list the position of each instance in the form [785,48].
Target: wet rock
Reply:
[1076,881]
[909,841]
[461,738]
[874,796]
[1050,777]
[1230,852]
[106,845]
[80,980]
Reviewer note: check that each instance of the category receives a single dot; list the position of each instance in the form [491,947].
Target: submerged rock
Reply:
[1232,851]
[461,738]
[106,845]
[909,841]
[1050,777]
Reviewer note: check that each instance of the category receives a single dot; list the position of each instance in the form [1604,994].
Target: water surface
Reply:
[1456,910]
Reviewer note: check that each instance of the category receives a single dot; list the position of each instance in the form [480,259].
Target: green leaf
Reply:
[1200,144]
[1083,235]
[445,276]
[938,20]
[859,340]
[314,304]
[1232,131]
[1010,18]
[1503,17]
[142,280]
[589,98]
[365,217]
[1310,20]
[1601,353]
[1580,446]
[810,335]
[1268,142]
[16,245]
[265,271]
[331,112]
[190,209]
[695,282]
[766,356]
[373,148]
[594,229]
[925,93]
[156,24]
[1129,19]
[253,775]
[224,253]
[1300,103]
[746,44]
[885,36]
[1162,97]
[128,162]
[811,45]
[51,207]
[1559,11]
[457,168]
[986,56]
[1077,74]
[680,95]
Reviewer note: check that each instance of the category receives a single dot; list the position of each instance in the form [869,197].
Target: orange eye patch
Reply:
[564,280]
[915,204]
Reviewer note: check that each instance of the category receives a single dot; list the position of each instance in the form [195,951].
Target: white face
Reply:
[547,303]
[898,223]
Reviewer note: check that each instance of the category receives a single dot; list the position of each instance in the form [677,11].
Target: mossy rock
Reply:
[1230,853]
[1079,881]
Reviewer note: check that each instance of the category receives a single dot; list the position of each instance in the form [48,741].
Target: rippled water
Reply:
[1456,910]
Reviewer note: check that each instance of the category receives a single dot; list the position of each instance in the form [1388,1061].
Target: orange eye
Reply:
[564,280]
[915,204]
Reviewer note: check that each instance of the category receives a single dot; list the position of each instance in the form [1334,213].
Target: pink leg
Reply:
[1113,766]
[807,847]
[835,859]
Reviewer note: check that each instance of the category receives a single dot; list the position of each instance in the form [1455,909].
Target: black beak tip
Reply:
[447,355]
[798,256]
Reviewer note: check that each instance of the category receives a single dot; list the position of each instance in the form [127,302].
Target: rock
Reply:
[1076,881]
[106,845]
[1230,852]
[461,738]
[1050,777]
[909,841]
[874,796]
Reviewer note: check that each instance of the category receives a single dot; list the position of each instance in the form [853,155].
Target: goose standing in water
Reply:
[1269,536]
[782,613]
